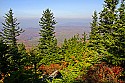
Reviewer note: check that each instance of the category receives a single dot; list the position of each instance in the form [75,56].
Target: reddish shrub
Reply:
[100,73]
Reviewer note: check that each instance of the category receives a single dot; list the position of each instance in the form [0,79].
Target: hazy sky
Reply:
[67,12]
[60,8]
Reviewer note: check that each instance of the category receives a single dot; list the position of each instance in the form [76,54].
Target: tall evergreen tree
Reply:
[108,17]
[94,31]
[47,42]
[10,31]
[111,27]
[95,35]
[107,26]
[120,34]
[94,26]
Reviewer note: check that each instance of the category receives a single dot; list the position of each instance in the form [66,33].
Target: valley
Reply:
[31,35]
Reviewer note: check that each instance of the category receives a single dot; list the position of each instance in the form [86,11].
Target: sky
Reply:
[60,8]
[33,9]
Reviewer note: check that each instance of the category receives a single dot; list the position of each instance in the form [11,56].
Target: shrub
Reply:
[101,73]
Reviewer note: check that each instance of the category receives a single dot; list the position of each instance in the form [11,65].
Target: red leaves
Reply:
[104,73]
[116,70]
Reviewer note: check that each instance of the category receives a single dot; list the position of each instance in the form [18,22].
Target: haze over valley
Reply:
[65,28]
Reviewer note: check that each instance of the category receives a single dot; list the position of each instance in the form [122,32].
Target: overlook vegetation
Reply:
[99,58]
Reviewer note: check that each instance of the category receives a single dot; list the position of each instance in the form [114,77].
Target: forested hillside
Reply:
[99,58]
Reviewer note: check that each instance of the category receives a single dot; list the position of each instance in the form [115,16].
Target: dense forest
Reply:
[99,58]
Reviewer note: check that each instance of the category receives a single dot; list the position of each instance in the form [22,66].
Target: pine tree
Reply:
[111,27]
[94,26]
[120,35]
[10,31]
[121,29]
[95,36]
[108,17]
[47,42]
[101,36]
[107,26]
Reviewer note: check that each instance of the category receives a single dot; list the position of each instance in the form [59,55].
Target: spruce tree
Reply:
[94,26]
[10,31]
[119,49]
[107,19]
[94,31]
[107,26]
[95,35]
[121,28]
[47,42]
[111,27]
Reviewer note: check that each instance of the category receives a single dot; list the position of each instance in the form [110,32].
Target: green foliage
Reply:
[23,55]
[120,35]
[21,76]
[78,56]
[10,29]
[95,36]
[94,26]
[107,35]
[47,43]
[4,58]
[34,59]
[28,69]
[9,33]
[114,40]
[106,23]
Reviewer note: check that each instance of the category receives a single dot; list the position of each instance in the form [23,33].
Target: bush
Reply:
[103,73]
